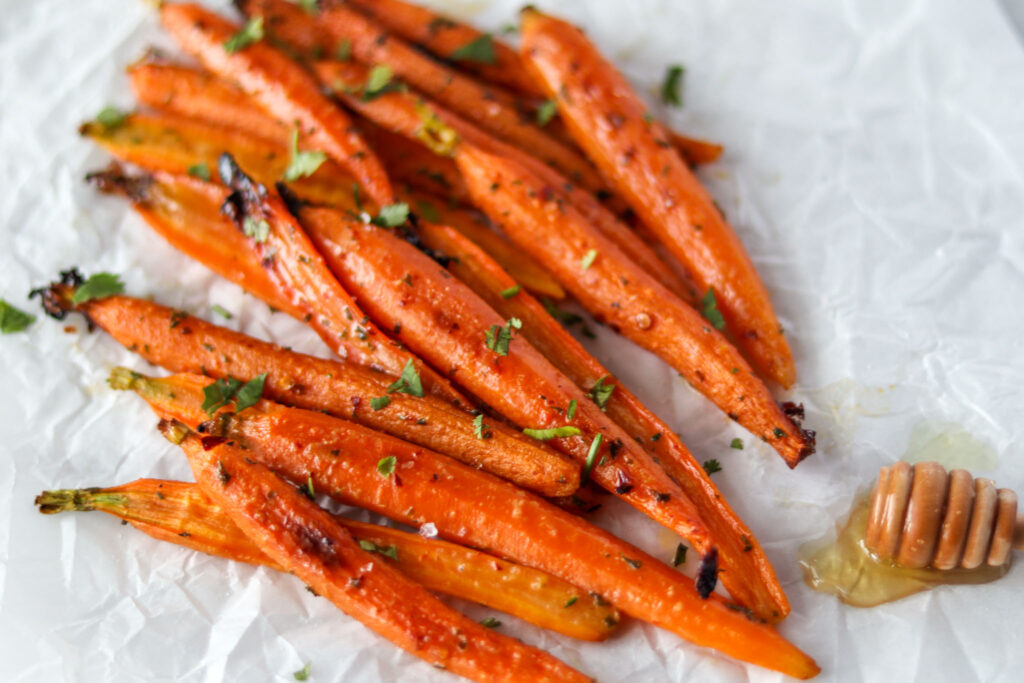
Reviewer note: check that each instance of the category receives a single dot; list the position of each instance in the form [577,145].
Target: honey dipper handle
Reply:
[1018,533]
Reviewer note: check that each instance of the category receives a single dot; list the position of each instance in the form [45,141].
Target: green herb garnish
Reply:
[380,402]
[386,466]
[591,458]
[546,112]
[344,51]
[201,171]
[481,430]
[392,215]
[498,337]
[13,319]
[428,211]
[303,673]
[250,393]
[302,164]
[709,309]
[111,117]
[221,311]
[588,259]
[379,82]
[256,228]
[511,291]
[712,466]
[737,443]
[553,433]
[251,33]
[490,622]
[480,50]
[408,382]
[98,286]
[387,551]
[570,413]
[601,392]
[671,87]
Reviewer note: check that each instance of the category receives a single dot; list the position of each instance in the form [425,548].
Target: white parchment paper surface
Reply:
[874,172]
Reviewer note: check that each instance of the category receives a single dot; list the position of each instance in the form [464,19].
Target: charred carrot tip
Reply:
[57,297]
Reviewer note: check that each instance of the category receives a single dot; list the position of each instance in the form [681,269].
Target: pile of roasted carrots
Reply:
[418,193]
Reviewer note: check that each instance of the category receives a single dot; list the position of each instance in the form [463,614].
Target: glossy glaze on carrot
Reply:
[478,510]
[745,570]
[187,344]
[282,86]
[308,542]
[618,293]
[608,121]
[180,513]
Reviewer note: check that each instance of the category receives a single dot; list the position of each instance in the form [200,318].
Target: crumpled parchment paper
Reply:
[873,169]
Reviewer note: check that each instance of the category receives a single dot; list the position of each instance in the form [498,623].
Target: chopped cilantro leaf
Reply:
[311,7]
[302,164]
[251,33]
[737,443]
[480,50]
[511,291]
[386,466]
[219,394]
[546,112]
[379,82]
[570,413]
[250,393]
[709,309]
[498,337]
[601,392]
[98,286]
[392,215]
[221,311]
[380,402]
[201,171]
[256,228]
[479,428]
[409,381]
[490,622]
[13,319]
[303,673]
[712,466]
[671,87]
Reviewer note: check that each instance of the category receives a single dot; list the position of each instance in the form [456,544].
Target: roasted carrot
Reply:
[444,322]
[372,45]
[475,509]
[746,572]
[607,120]
[475,226]
[305,540]
[493,62]
[444,37]
[416,119]
[409,162]
[170,142]
[181,513]
[616,291]
[199,94]
[277,257]
[180,343]
[282,86]
[179,145]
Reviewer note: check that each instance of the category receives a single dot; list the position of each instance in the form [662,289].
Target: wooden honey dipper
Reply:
[922,516]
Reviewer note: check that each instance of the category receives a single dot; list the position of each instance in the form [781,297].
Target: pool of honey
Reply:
[845,568]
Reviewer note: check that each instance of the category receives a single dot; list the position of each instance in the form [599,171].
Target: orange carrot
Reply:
[746,572]
[198,94]
[409,162]
[371,45]
[416,119]
[305,540]
[445,38]
[444,322]
[475,227]
[181,513]
[475,509]
[616,291]
[182,343]
[171,142]
[607,119]
[281,86]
